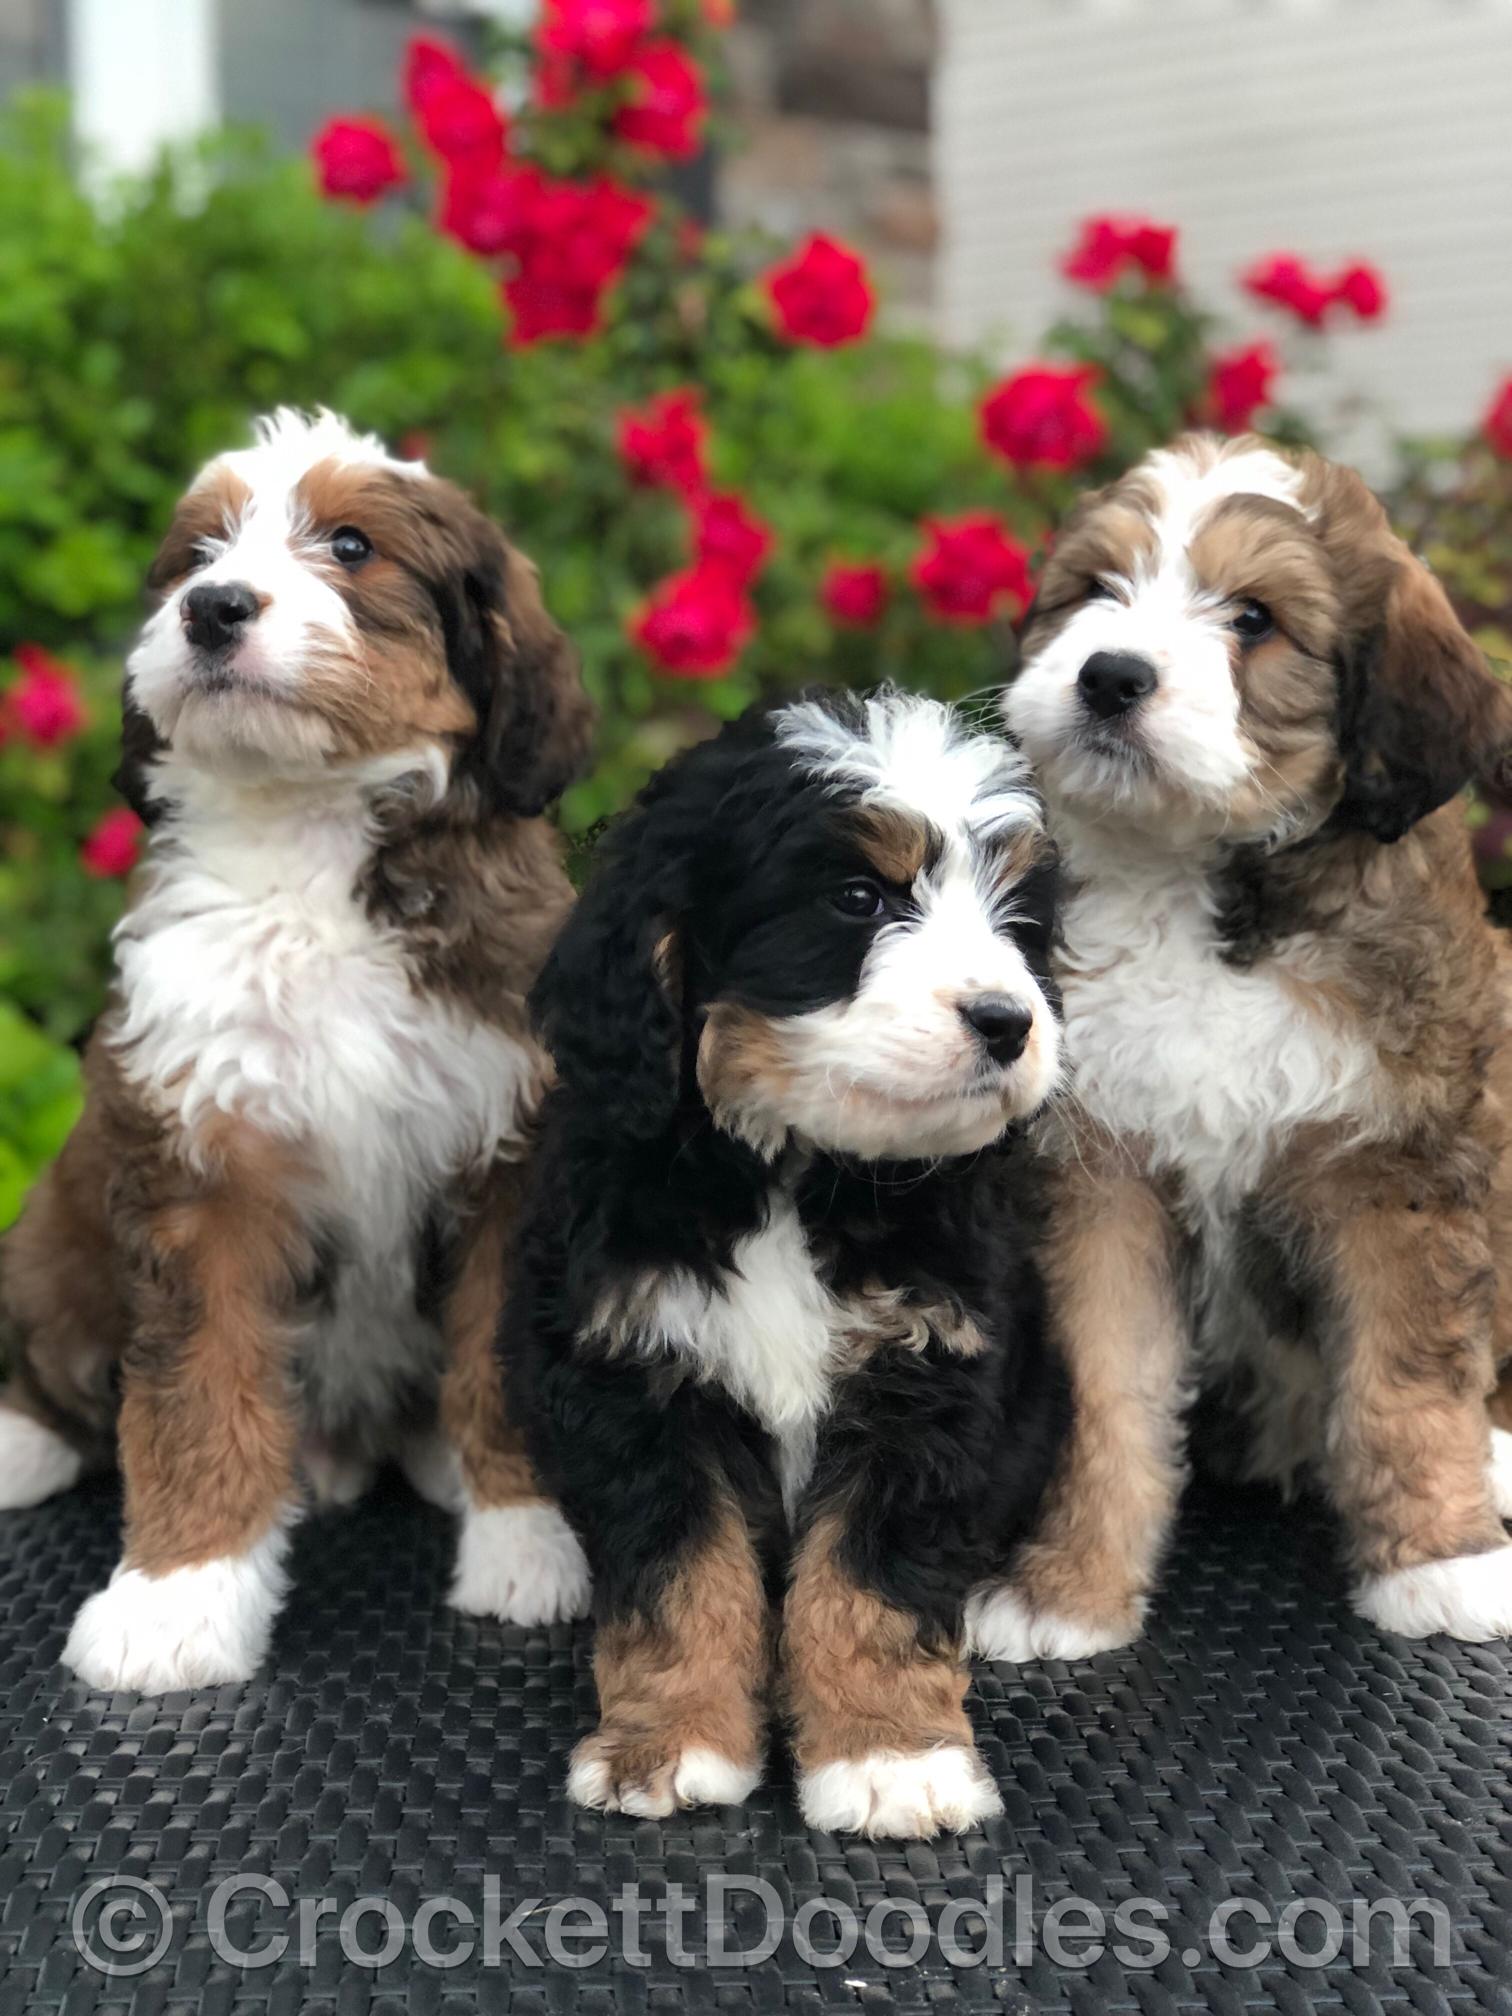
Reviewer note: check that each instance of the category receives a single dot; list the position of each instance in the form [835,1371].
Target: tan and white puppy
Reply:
[271,1253]
[1284,1182]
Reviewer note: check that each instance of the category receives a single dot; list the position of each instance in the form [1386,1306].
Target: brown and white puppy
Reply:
[271,1252]
[1285,1181]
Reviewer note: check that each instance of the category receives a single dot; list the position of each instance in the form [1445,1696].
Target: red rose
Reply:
[1239,384]
[44,703]
[1362,288]
[463,125]
[727,534]
[1290,283]
[1497,425]
[111,848]
[454,110]
[488,210]
[662,443]
[1042,418]
[668,103]
[822,294]
[358,159]
[854,592]
[598,36]
[1109,245]
[572,245]
[429,65]
[695,625]
[970,568]
[554,83]
[540,307]
[581,233]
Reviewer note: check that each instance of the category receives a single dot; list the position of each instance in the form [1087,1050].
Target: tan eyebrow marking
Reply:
[898,844]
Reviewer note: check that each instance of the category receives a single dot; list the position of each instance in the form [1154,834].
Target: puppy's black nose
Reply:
[1002,1023]
[215,612]
[1112,682]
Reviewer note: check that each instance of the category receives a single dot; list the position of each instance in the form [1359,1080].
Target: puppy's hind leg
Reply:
[1411,1459]
[63,1322]
[35,1462]
[517,1557]
[1083,1580]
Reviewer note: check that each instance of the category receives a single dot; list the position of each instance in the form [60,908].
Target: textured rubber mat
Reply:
[1262,1756]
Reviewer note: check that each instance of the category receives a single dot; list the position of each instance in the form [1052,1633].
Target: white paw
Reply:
[34,1463]
[1468,1597]
[193,1627]
[521,1563]
[699,1778]
[1501,1471]
[900,1797]
[1000,1625]
[433,1470]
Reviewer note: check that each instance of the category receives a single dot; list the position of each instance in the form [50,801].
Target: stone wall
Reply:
[832,105]
[31,42]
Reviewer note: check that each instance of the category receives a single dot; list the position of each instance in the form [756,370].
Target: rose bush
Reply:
[733,479]
[1454,503]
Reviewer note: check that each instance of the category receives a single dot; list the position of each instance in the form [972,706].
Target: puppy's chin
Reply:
[1116,780]
[873,1128]
[249,736]
[760,1087]
[256,714]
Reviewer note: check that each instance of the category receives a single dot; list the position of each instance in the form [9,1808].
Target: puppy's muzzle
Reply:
[1112,683]
[1001,1023]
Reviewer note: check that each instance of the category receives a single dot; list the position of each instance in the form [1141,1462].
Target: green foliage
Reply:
[1454,505]
[55,918]
[39,1102]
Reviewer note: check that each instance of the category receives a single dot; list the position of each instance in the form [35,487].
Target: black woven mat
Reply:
[1260,1745]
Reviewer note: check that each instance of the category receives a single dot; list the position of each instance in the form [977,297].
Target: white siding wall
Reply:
[143,72]
[1333,128]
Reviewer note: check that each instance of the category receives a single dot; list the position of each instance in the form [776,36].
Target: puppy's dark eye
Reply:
[1253,622]
[1099,591]
[861,899]
[351,547]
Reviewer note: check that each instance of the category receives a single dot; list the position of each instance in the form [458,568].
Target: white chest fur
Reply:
[1213,1065]
[770,1336]
[254,983]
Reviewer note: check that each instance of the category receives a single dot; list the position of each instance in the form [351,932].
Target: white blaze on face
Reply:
[1185,738]
[242,715]
[896,1070]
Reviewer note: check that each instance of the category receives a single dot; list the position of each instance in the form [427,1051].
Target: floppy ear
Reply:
[140,743]
[535,722]
[609,1001]
[1420,712]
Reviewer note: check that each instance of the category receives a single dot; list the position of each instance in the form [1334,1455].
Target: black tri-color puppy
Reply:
[775,1335]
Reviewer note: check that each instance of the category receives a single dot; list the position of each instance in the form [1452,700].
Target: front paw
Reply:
[896,1796]
[193,1627]
[1469,1597]
[520,1563]
[1001,1624]
[633,1774]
